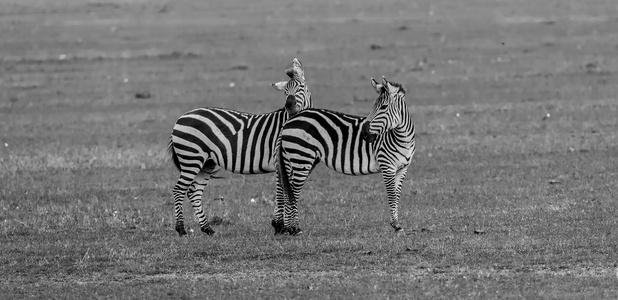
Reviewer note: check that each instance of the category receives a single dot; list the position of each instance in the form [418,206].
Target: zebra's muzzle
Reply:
[290,105]
[366,134]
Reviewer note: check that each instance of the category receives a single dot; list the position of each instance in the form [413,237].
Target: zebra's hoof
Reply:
[278,226]
[294,231]
[208,230]
[181,230]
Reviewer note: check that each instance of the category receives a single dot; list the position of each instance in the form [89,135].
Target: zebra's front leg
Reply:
[195,196]
[393,180]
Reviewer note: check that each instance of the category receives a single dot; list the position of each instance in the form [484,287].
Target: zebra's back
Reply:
[334,137]
[236,141]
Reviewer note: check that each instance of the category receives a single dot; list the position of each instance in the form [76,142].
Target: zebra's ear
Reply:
[296,71]
[387,85]
[279,86]
[376,86]
[390,87]
[296,62]
[290,73]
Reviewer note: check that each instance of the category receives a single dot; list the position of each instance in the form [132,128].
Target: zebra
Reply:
[383,142]
[205,141]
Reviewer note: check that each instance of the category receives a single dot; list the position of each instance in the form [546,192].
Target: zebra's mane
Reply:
[398,85]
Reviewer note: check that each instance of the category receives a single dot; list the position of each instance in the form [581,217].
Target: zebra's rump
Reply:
[238,142]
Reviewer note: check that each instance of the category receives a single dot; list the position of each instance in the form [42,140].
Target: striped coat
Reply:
[207,140]
[384,142]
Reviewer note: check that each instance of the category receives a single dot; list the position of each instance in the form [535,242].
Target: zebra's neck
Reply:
[405,131]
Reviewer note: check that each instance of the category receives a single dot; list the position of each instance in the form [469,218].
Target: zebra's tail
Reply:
[172,153]
[285,177]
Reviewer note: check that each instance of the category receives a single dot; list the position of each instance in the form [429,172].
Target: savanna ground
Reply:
[512,192]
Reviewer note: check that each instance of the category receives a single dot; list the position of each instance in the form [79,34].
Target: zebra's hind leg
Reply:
[196,192]
[295,230]
[179,191]
[280,199]
[291,223]
[195,196]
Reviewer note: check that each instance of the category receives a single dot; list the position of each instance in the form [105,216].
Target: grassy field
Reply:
[512,193]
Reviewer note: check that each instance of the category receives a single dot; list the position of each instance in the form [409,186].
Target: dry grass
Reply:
[512,193]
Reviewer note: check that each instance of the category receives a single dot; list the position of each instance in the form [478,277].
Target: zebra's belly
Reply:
[240,158]
[354,168]
[250,169]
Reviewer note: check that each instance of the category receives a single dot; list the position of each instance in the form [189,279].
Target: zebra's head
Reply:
[296,90]
[387,110]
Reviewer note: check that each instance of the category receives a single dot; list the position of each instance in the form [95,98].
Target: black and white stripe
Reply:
[206,140]
[381,143]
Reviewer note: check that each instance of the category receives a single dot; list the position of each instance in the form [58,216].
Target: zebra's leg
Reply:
[301,173]
[393,180]
[196,191]
[179,191]
[280,199]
